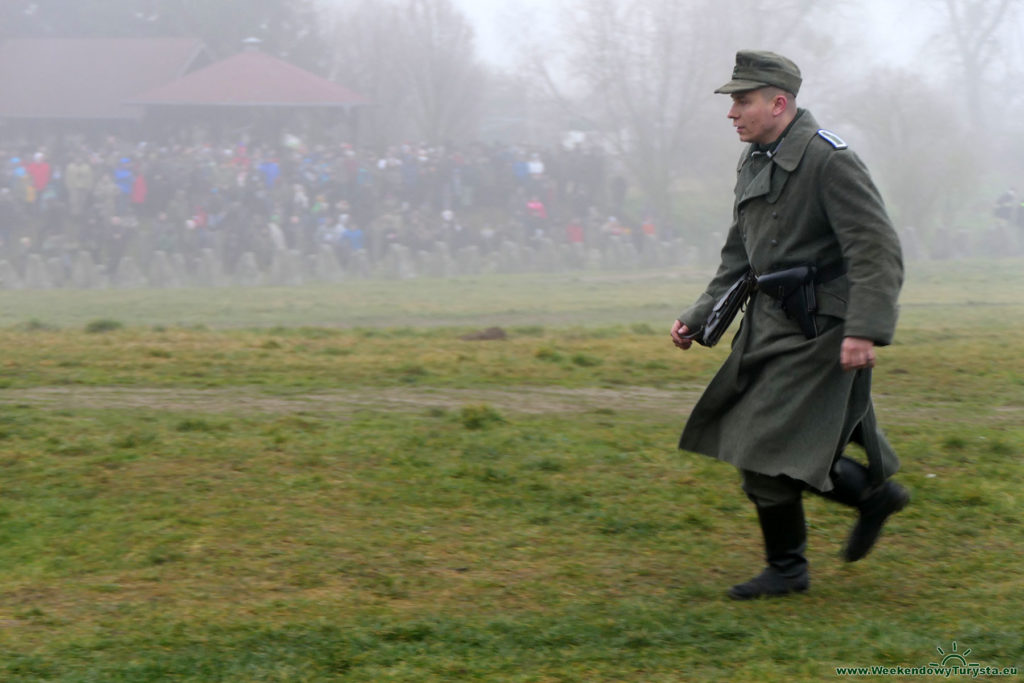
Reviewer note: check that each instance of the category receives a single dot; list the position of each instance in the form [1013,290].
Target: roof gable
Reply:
[88,78]
[252,78]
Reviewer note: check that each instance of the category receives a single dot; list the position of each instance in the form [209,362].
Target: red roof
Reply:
[252,78]
[87,78]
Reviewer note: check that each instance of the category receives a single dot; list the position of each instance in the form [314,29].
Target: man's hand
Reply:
[857,353]
[679,329]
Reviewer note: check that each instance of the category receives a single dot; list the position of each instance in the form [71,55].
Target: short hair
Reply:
[771,92]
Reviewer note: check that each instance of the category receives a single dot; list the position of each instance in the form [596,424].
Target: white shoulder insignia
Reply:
[832,139]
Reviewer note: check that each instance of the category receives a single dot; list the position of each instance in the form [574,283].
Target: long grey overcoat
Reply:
[782,404]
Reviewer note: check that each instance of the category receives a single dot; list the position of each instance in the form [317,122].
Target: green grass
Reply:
[191,493]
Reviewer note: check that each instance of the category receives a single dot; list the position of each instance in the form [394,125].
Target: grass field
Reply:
[329,484]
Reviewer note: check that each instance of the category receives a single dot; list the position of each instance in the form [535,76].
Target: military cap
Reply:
[757,69]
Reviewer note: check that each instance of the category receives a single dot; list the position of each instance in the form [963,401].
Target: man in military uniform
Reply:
[796,387]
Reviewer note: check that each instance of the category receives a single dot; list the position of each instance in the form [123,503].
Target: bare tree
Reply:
[642,72]
[441,67]
[977,28]
[637,68]
[417,59]
[365,55]
[927,185]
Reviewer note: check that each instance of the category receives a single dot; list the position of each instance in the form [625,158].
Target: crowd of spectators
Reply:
[113,197]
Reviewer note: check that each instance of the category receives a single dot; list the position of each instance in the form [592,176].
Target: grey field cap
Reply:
[758,69]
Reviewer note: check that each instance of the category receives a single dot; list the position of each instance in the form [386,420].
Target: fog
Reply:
[885,32]
[489,136]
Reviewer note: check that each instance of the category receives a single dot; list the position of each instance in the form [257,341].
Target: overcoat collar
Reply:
[771,179]
[791,150]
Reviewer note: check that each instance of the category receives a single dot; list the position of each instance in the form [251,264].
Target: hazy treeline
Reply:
[634,79]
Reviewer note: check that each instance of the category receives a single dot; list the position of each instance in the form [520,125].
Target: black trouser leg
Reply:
[785,541]
[850,482]
[852,487]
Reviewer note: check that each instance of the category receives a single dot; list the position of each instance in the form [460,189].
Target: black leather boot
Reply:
[785,540]
[853,488]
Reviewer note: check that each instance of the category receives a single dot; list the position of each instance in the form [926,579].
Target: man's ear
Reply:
[780,104]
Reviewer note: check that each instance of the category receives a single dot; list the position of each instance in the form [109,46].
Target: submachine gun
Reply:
[724,311]
[794,289]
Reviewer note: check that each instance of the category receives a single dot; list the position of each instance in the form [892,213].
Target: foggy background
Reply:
[508,136]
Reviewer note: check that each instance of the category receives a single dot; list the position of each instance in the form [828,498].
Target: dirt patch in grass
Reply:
[527,400]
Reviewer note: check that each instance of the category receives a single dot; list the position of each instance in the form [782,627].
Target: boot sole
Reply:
[758,596]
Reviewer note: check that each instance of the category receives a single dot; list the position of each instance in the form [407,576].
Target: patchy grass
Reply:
[306,503]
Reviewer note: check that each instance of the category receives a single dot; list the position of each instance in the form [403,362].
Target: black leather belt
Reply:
[812,273]
[830,271]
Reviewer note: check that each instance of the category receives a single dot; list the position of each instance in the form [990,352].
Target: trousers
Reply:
[767,491]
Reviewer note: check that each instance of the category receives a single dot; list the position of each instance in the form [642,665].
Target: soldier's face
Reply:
[754,115]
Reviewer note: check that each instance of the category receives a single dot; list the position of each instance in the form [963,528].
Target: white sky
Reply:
[893,30]
[499,23]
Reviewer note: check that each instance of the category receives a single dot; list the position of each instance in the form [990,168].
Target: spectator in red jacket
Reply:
[40,173]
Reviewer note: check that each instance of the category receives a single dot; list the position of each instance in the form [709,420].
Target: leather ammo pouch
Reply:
[794,289]
[725,310]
